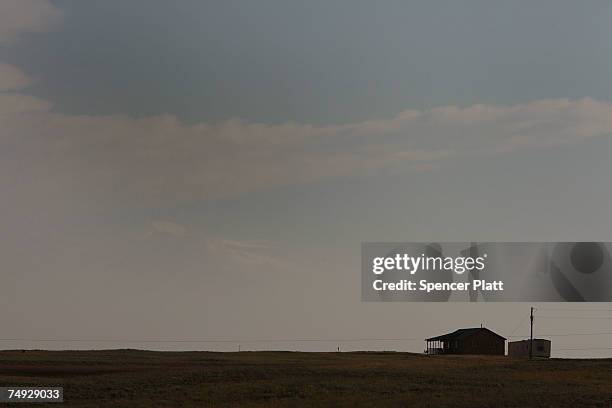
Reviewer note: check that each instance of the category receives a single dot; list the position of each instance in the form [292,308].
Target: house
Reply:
[478,340]
[541,348]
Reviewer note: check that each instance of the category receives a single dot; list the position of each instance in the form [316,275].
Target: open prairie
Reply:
[133,378]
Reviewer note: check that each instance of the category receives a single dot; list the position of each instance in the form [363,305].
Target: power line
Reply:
[518,326]
[81,340]
[205,340]
[577,310]
[576,317]
[568,334]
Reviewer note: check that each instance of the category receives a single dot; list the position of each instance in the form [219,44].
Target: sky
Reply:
[208,170]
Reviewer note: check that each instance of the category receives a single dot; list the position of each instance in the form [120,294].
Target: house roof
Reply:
[461,334]
[527,341]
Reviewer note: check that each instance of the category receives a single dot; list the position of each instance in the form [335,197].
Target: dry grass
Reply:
[131,378]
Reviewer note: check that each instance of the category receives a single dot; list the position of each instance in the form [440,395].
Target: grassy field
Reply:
[132,378]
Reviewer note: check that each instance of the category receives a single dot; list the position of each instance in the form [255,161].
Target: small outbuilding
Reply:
[479,340]
[541,348]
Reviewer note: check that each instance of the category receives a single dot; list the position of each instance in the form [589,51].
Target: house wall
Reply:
[482,342]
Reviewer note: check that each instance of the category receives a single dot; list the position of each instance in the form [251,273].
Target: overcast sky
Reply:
[207,170]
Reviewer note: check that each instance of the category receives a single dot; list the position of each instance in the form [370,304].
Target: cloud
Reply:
[245,255]
[13,104]
[156,161]
[245,244]
[169,227]
[26,16]
[11,78]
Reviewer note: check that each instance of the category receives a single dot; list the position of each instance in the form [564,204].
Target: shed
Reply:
[541,348]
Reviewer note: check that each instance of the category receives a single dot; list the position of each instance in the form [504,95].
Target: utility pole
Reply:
[531,336]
